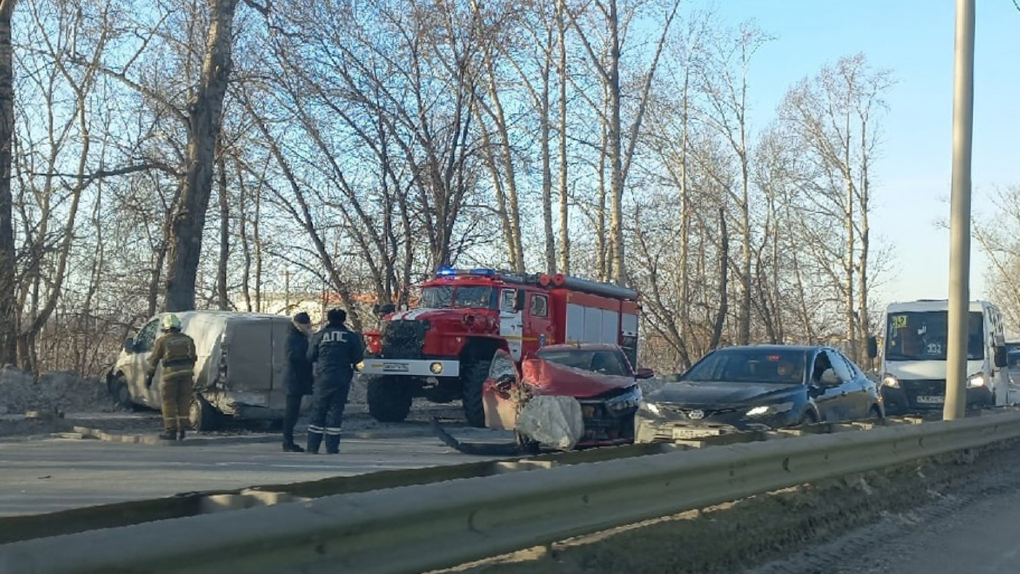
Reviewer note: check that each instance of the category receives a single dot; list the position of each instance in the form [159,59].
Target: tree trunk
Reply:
[242,223]
[851,318]
[223,298]
[204,118]
[564,192]
[863,191]
[724,263]
[544,135]
[685,225]
[615,149]
[8,284]
[257,239]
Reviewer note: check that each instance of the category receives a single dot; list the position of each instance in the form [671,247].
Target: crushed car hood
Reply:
[554,379]
[720,393]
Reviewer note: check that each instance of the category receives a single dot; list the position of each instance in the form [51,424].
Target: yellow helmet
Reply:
[171,321]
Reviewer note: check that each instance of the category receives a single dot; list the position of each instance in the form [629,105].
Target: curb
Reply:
[199,440]
[152,440]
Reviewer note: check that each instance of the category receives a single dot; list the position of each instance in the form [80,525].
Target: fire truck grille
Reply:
[403,339]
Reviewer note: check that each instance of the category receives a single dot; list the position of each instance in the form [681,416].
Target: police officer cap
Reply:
[336,316]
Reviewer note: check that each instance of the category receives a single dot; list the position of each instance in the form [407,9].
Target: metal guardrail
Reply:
[417,528]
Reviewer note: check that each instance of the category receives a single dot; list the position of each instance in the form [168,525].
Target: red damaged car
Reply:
[565,396]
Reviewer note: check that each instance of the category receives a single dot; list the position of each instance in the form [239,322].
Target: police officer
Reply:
[335,350]
[298,380]
[176,352]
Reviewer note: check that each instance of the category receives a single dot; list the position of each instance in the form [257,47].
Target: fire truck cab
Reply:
[442,349]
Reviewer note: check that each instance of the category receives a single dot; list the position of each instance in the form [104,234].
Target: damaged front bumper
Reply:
[566,423]
[609,420]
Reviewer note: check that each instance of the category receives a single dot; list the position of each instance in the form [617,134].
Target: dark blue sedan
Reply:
[758,388]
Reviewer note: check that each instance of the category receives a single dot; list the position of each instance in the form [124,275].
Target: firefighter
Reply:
[298,381]
[176,352]
[335,350]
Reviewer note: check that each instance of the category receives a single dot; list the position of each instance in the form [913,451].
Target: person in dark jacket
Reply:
[335,350]
[298,380]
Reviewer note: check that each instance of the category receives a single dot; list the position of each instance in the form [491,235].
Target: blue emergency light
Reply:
[451,272]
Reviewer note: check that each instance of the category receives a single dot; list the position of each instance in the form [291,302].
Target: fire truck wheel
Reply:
[389,401]
[473,378]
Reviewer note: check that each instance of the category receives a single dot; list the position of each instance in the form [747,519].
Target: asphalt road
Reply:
[981,538]
[51,474]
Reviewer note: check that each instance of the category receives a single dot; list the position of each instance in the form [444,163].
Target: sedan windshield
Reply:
[602,361]
[750,366]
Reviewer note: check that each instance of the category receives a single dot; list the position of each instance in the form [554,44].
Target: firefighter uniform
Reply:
[335,350]
[175,351]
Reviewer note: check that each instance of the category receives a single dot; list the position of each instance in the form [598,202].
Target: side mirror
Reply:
[644,373]
[999,356]
[129,345]
[830,378]
[872,347]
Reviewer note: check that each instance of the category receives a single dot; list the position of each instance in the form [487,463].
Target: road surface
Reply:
[47,475]
[981,538]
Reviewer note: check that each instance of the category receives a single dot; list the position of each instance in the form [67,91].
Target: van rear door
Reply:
[250,359]
[280,330]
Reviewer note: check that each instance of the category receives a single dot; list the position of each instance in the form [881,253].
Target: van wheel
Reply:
[202,415]
[389,399]
[472,377]
[120,393]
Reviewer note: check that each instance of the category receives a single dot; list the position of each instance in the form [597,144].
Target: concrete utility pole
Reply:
[959,218]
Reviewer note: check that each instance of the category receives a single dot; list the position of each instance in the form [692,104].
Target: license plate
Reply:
[930,399]
[686,433]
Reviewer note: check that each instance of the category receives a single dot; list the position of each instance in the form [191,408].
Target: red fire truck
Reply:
[442,349]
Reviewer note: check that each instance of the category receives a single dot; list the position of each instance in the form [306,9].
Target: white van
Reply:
[914,356]
[239,373]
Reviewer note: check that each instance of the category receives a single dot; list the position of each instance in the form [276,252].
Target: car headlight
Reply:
[652,408]
[977,380]
[890,381]
[769,409]
[629,400]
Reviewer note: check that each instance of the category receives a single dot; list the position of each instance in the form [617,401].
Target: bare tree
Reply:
[204,117]
[607,65]
[998,239]
[8,280]
[723,76]
[835,116]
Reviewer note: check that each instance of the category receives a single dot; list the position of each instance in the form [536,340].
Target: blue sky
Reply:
[914,39]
